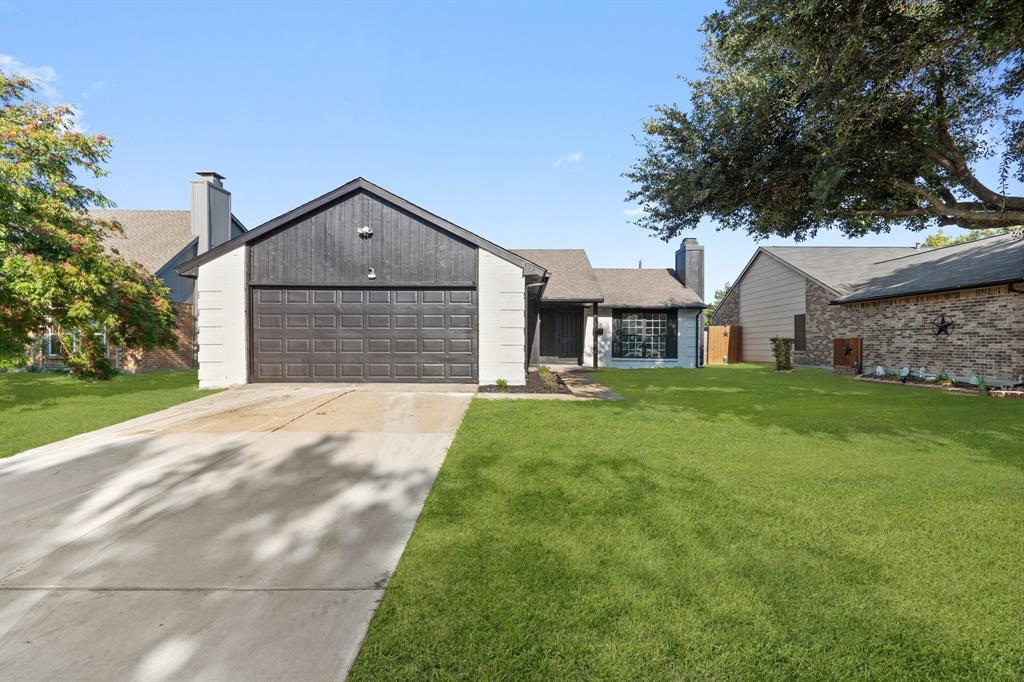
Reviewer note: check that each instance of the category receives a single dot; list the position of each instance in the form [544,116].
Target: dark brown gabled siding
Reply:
[326,248]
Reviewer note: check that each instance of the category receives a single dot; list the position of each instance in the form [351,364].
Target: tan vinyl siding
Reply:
[770,295]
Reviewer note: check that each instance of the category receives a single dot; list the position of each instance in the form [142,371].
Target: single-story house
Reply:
[957,309]
[362,285]
[158,240]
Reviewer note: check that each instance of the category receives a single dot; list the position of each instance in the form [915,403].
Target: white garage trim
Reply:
[502,293]
[220,321]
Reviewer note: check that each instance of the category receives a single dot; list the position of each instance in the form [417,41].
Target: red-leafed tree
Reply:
[55,274]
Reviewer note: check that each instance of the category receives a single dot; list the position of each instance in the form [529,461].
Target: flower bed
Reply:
[534,384]
[953,387]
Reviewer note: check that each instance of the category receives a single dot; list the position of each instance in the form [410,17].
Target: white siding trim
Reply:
[221,325]
[501,289]
[770,295]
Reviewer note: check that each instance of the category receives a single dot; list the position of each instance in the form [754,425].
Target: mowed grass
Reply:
[36,409]
[727,523]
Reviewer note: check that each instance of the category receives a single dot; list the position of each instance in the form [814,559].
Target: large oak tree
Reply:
[55,273]
[846,115]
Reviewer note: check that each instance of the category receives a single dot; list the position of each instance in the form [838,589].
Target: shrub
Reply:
[782,349]
[502,384]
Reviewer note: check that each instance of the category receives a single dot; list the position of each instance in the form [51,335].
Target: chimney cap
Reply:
[210,174]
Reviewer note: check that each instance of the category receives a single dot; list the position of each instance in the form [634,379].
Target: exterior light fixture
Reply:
[365,232]
[370,274]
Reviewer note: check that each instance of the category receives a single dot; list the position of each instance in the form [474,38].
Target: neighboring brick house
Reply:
[893,299]
[158,240]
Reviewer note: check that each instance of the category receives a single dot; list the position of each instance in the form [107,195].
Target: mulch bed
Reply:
[534,384]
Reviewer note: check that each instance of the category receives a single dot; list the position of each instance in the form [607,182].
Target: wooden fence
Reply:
[725,345]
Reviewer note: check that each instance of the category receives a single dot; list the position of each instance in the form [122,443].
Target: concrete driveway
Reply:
[245,535]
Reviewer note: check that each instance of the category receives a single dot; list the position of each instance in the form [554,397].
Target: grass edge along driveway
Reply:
[41,408]
[729,523]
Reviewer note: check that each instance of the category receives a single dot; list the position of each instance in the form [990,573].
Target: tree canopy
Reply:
[716,301]
[843,115]
[940,238]
[54,271]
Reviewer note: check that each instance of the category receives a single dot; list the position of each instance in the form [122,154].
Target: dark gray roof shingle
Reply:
[570,277]
[150,237]
[995,260]
[645,288]
[841,268]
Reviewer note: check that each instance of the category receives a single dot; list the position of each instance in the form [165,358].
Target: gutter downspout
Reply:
[697,348]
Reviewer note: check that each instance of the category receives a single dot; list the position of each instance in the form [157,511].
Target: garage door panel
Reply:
[380,334]
[325,345]
[325,371]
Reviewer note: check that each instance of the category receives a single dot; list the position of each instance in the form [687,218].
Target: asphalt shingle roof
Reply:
[150,237]
[570,276]
[985,261]
[645,288]
[841,268]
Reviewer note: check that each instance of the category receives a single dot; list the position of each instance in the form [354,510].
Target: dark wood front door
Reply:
[568,333]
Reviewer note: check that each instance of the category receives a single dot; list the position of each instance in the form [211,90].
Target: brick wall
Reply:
[822,325]
[134,360]
[988,336]
[181,357]
[728,311]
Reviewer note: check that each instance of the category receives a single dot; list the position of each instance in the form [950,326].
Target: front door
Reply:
[568,324]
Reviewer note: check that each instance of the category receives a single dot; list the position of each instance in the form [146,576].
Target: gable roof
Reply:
[151,238]
[570,276]
[188,269]
[839,268]
[645,288]
[984,262]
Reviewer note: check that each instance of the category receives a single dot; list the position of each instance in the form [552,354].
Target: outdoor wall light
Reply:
[600,331]
[365,232]
[370,274]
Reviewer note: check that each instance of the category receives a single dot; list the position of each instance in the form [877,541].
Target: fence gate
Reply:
[725,344]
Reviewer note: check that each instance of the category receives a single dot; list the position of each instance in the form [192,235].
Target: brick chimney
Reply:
[211,210]
[690,265]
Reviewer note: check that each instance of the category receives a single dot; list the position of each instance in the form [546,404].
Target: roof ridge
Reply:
[838,246]
[947,246]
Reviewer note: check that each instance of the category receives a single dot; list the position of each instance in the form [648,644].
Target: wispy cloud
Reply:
[44,77]
[574,157]
[632,212]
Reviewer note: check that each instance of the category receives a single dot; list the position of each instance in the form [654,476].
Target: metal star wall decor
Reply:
[943,326]
[848,350]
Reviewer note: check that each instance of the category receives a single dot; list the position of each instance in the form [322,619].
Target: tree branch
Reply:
[968,214]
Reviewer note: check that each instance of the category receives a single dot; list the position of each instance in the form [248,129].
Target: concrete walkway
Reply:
[246,535]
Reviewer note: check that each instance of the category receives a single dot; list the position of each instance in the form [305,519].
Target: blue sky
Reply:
[511,120]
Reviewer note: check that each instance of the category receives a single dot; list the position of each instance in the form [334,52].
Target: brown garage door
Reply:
[329,334]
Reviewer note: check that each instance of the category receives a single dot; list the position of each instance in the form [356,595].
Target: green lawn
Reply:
[727,523]
[36,409]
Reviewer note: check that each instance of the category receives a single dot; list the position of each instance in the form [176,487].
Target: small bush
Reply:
[502,384]
[782,349]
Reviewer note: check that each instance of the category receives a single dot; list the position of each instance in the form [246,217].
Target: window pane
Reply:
[644,334]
